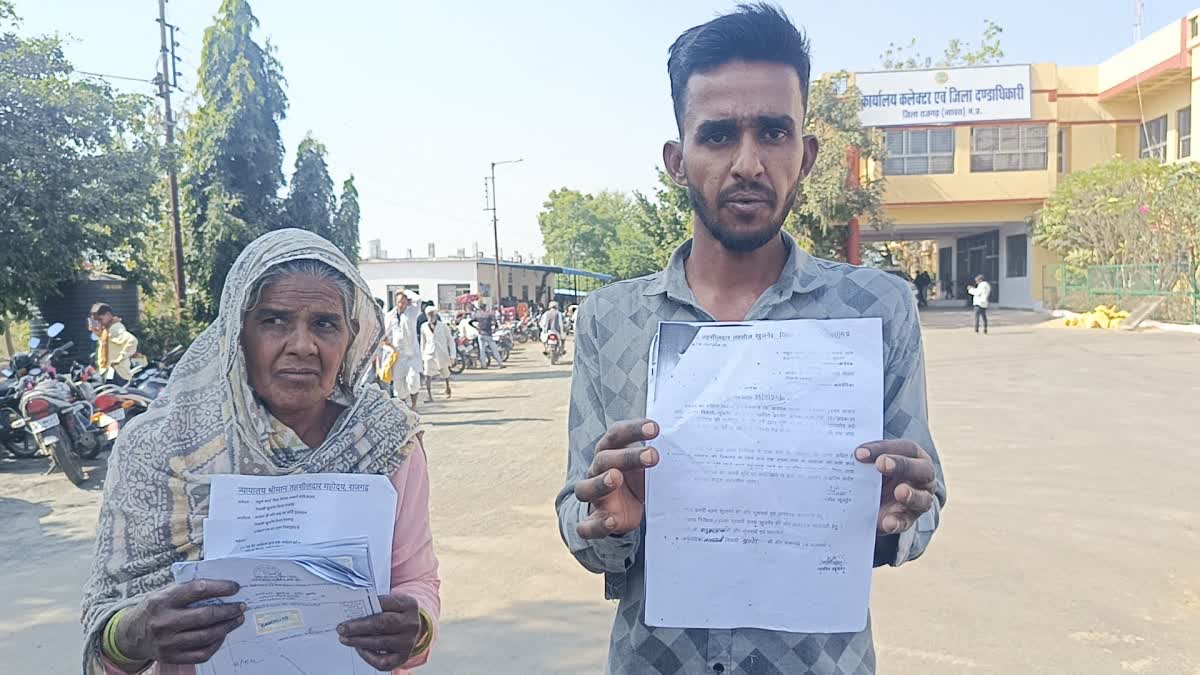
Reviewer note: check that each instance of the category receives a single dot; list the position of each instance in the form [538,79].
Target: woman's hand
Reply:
[385,640]
[165,628]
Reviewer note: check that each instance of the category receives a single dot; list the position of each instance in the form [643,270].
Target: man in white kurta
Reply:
[401,336]
[437,351]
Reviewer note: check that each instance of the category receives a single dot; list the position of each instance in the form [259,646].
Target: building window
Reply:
[1015,148]
[915,152]
[1152,141]
[1194,25]
[1017,264]
[1185,131]
[1062,150]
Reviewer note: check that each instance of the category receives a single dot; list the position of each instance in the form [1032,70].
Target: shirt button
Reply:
[718,667]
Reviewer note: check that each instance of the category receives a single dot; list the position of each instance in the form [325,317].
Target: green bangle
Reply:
[108,643]
[426,640]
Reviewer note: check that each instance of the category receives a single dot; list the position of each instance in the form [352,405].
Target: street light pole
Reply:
[496,231]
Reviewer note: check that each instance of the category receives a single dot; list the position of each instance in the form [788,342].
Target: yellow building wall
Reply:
[960,213]
[1040,261]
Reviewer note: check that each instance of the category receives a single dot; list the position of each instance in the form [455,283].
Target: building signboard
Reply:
[944,96]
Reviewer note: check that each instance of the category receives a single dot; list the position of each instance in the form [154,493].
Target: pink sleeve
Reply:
[414,566]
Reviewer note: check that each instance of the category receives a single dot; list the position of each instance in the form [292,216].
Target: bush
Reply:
[161,333]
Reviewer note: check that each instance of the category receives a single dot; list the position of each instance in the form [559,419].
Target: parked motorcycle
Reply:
[554,347]
[461,355]
[14,440]
[57,413]
[504,341]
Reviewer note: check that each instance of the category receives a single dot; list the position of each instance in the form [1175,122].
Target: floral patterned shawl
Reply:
[208,421]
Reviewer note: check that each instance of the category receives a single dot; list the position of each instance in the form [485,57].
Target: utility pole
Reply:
[496,229]
[167,80]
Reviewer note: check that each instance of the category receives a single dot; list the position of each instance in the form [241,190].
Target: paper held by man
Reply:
[758,515]
[309,552]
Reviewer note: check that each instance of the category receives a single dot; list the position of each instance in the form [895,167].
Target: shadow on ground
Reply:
[547,638]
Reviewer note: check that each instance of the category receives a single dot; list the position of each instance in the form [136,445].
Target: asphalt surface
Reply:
[1069,543]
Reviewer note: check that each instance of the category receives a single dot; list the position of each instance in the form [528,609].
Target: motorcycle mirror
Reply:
[54,329]
[33,343]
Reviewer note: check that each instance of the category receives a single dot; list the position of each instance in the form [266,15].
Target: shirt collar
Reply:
[801,273]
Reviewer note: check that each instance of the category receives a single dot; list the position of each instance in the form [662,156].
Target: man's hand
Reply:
[909,478]
[615,487]
[165,627]
[385,640]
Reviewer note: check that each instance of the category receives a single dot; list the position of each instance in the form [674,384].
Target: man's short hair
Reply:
[101,308]
[752,32]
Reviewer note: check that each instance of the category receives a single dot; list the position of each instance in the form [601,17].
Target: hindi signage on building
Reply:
[944,96]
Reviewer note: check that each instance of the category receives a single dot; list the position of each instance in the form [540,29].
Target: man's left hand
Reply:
[909,478]
[385,640]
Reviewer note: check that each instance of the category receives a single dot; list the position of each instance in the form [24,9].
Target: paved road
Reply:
[1069,544]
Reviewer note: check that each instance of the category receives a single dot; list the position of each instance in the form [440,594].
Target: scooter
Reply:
[554,347]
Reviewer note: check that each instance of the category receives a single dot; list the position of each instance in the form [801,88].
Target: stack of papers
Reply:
[758,515]
[309,553]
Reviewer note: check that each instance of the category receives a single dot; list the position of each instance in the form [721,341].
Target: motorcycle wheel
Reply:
[458,366]
[21,447]
[522,338]
[65,458]
[504,353]
[554,357]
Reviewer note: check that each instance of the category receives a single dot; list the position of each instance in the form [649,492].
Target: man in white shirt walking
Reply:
[401,336]
[437,351]
[981,290]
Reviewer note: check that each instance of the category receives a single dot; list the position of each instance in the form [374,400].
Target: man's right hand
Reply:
[615,487]
[165,627]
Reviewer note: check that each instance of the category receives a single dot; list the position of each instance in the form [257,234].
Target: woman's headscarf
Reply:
[208,421]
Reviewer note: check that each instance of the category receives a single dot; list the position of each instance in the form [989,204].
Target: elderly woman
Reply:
[279,384]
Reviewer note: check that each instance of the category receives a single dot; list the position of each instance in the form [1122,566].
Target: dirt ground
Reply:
[1069,543]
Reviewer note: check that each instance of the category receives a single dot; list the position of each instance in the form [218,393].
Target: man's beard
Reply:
[743,242]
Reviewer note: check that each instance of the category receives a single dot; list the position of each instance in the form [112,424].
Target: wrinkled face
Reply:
[741,154]
[295,341]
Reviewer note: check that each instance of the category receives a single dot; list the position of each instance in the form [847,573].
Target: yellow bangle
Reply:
[108,643]
[426,640]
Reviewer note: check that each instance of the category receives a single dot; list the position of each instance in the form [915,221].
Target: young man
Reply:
[115,344]
[485,322]
[980,292]
[739,84]
[437,351]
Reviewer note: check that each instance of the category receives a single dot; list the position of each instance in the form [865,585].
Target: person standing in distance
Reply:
[980,292]
[740,86]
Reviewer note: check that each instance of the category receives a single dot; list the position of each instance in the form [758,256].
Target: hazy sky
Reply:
[416,98]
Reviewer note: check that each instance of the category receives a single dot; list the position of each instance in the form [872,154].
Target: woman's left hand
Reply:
[385,640]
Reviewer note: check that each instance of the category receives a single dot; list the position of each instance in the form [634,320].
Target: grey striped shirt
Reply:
[615,328]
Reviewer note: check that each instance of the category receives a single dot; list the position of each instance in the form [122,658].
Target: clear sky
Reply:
[416,98]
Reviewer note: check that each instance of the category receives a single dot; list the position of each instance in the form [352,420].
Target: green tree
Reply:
[77,172]
[1123,212]
[232,151]
[580,230]
[828,199]
[665,220]
[310,202]
[957,52]
[345,221]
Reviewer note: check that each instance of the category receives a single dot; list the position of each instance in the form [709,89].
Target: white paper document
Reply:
[758,515]
[255,513]
[295,600]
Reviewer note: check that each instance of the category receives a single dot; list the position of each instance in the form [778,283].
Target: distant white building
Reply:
[446,278]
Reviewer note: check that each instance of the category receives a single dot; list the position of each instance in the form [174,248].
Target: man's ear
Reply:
[673,161]
[811,148]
